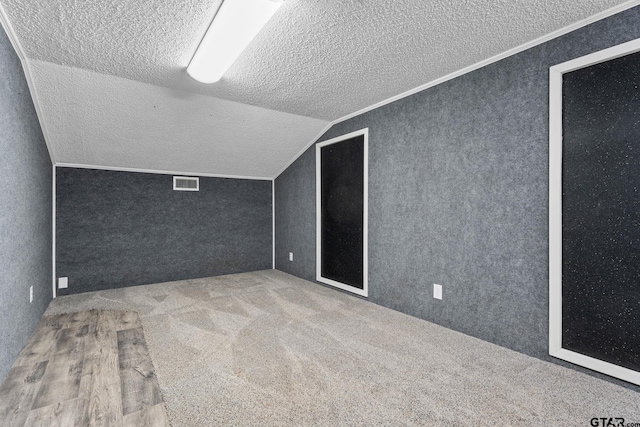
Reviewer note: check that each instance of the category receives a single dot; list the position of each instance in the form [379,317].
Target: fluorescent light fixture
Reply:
[234,26]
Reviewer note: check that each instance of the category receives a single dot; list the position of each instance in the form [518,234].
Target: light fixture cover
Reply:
[234,26]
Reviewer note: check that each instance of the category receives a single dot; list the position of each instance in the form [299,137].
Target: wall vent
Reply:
[186,183]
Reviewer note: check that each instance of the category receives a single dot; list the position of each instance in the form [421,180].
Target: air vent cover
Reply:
[186,183]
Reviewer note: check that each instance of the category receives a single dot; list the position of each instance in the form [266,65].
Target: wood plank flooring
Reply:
[89,368]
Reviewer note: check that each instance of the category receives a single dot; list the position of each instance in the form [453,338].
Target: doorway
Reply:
[594,211]
[341,212]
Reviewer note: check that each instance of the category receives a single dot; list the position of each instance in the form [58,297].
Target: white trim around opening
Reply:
[555,212]
[365,220]
[53,232]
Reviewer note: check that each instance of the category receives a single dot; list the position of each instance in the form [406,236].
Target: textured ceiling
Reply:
[97,119]
[321,59]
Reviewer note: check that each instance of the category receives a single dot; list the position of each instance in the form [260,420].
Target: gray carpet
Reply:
[266,348]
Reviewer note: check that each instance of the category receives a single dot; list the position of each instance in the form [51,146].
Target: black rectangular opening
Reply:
[342,211]
[601,211]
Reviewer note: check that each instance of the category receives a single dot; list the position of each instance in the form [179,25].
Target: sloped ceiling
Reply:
[113,91]
[111,121]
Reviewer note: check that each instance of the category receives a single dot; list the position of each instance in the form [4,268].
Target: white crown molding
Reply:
[554,34]
[160,172]
[306,147]
[13,38]
[496,58]
[15,42]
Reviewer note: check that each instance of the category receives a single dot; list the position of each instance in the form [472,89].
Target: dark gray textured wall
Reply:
[25,210]
[295,217]
[458,195]
[117,229]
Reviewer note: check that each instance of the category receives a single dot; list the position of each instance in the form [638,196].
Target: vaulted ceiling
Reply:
[110,82]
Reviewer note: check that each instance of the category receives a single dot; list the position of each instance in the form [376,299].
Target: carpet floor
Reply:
[269,349]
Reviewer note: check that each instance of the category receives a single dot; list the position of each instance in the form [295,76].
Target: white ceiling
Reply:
[110,74]
[111,121]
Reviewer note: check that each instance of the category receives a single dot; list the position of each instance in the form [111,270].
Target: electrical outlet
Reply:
[290,256]
[30,294]
[63,282]
[437,291]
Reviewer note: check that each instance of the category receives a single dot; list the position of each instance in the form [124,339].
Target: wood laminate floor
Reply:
[89,368]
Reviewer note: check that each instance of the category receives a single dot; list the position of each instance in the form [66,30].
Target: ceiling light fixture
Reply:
[234,26]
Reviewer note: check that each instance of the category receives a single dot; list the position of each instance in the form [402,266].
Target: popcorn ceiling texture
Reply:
[140,40]
[321,59]
[98,119]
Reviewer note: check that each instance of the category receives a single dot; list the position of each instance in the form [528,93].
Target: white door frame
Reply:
[365,222]
[555,212]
